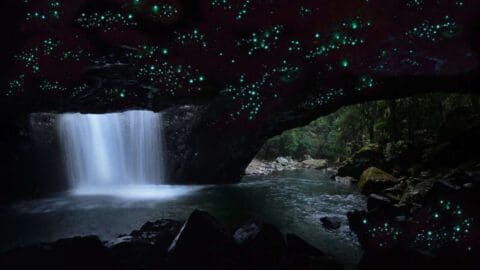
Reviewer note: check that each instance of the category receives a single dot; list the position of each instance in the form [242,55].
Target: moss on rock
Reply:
[374,180]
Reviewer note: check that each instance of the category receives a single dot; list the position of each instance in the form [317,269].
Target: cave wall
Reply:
[31,163]
[223,92]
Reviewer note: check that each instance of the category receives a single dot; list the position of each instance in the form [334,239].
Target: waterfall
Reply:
[105,151]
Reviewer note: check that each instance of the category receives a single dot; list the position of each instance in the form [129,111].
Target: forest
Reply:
[417,121]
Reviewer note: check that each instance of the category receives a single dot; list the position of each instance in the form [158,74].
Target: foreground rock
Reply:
[202,242]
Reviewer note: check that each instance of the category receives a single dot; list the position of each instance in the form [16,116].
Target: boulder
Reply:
[246,233]
[380,205]
[368,156]
[203,243]
[375,180]
[316,164]
[331,223]
[302,255]
[262,246]
[147,247]
[298,246]
[416,190]
[345,179]
[258,167]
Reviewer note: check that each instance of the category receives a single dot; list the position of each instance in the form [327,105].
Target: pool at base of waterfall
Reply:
[293,201]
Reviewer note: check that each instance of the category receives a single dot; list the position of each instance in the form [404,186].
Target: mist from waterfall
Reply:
[105,151]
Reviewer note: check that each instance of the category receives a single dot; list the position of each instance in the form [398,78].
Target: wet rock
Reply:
[257,167]
[264,247]
[380,205]
[246,233]
[316,164]
[331,223]
[368,156]
[376,201]
[147,247]
[345,180]
[416,190]
[203,241]
[395,193]
[375,180]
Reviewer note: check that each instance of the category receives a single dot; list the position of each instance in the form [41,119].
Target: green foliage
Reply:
[416,120]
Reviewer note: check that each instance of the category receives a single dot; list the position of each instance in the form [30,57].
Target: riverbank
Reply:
[422,209]
[265,167]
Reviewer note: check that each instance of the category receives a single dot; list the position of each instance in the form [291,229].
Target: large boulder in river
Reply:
[374,180]
[368,156]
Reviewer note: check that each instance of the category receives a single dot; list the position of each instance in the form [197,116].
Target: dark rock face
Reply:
[201,243]
[31,165]
[74,253]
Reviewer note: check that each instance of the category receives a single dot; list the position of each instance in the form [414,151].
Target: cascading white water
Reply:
[104,151]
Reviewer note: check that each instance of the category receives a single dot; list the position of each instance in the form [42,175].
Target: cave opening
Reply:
[239,134]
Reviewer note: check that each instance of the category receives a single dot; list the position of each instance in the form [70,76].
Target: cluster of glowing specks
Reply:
[192,37]
[51,13]
[219,40]
[29,58]
[346,36]
[15,86]
[384,234]
[155,10]
[251,95]
[446,227]
[417,4]
[264,40]
[164,12]
[435,32]
[295,46]
[47,48]
[52,86]
[240,8]
[107,21]
[365,82]
[154,69]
